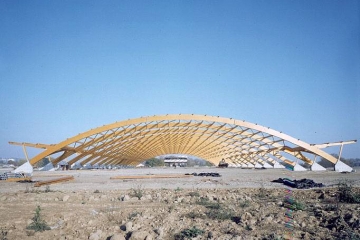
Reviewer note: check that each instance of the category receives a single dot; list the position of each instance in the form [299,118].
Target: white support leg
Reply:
[342,167]
[278,165]
[299,168]
[266,165]
[317,167]
[26,168]
[250,165]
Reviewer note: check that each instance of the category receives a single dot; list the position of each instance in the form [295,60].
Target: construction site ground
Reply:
[247,205]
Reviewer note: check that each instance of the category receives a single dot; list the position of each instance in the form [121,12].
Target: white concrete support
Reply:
[342,167]
[26,168]
[317,167]
[266,165]
[299,168]
[258,165]
[232,165]
[75,166]
[278,165]
[250,165]
[87,166]
[48,167]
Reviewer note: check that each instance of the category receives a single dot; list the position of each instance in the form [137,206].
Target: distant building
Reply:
[64,165]
[176,161]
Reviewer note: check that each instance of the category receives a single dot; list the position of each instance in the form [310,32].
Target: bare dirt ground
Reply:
[241,204]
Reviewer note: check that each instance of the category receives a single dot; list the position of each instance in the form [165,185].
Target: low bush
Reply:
[194,194]
[189,233]
[206,203]
[293,204]
[38,224]
[346,193]
[244,204]
[137,192]
[219,214]
[194,215]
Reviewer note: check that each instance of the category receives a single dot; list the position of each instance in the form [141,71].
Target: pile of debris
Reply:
[299,184]
[210,174]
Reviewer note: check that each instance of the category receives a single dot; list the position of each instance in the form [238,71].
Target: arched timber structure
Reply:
[212,138]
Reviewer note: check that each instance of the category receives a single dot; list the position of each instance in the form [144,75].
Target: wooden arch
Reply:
[132,141]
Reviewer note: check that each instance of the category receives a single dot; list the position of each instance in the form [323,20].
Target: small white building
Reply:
[176,161]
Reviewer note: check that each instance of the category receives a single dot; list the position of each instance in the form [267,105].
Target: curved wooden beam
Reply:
[212,138]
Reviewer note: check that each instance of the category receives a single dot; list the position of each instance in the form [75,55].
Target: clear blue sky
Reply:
[68,66]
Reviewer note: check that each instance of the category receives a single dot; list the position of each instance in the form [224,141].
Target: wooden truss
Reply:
[212,138]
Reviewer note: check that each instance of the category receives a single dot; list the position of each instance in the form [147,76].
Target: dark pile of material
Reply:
[204,174]
[299,184]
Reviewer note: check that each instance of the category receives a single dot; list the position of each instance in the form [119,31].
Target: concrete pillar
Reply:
[299,168]
[48,167]
[25,168]
[266,165]
[250,165]
[342,167]
[317,167]
[278,165]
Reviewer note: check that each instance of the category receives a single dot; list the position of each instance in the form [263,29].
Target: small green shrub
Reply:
[219,214]
[133,215]
[244,204]
[346,193]
[178,189]
[194,215]
[38,224]
[30,189]
[194,194]
[293,204]
[248,227]
[137,192]
[261,192]
[189,233]
[203,201]
[47,189]
[206,203]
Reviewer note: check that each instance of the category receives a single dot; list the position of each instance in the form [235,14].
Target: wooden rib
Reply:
[152,176]
[53,181]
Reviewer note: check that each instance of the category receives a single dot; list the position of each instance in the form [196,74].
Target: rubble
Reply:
[299,184]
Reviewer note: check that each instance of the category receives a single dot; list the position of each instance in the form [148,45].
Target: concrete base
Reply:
[278,165]
[26,168]
[75,166]
[342,167]
[48,167]
[317,167]
[234,165]
[249,165]
[87,166]
[299,168]
[258,165]
[266,165]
